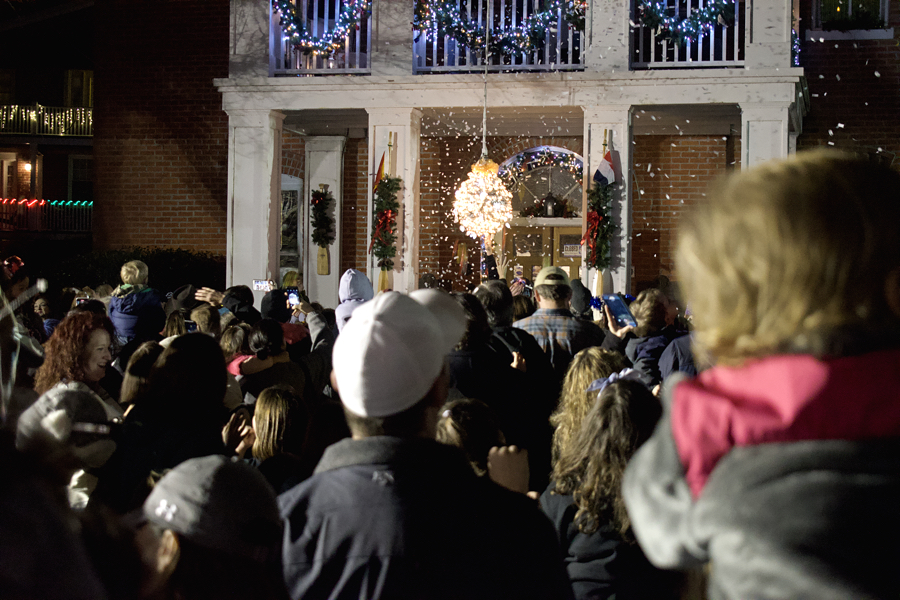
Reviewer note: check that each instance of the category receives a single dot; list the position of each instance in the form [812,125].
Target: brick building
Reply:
[676,118]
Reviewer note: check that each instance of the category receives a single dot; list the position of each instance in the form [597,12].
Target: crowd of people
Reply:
[511,441]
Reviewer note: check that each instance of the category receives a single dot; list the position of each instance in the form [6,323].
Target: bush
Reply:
[169,268]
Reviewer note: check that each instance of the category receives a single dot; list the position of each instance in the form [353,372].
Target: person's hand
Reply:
[619,332]
[508,466]
[209,295]
[238,435]
[517,288]
[304,308]
[518,362]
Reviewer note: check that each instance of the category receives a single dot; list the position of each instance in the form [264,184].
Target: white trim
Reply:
[818,35]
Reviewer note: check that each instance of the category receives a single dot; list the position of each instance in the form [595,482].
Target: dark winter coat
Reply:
[601,564]
[127,307]
[386,517]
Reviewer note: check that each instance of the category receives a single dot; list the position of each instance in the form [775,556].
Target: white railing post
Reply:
[607,36]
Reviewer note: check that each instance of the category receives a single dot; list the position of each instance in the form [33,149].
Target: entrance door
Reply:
[541,243]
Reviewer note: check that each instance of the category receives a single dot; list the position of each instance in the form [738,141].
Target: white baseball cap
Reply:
[393,349]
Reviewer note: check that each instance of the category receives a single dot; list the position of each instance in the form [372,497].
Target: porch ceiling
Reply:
[708,119]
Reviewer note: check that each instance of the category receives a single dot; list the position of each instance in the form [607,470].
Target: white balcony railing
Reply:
[722,46]
[440,53]
[46,120]
[44,215]
[320,17]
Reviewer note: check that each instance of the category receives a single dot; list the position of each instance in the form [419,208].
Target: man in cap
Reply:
[560,334]
[391,513]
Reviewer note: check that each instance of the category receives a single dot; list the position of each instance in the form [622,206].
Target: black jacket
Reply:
[386,517]
[602,565]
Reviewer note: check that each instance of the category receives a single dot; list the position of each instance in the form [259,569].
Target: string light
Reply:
[31,203]
[439,18]
[297,34]
[696,26]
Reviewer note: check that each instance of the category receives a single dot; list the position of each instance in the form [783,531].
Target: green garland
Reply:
[526,161]
[655,15]
[384,222]
[322,223]
[443,18]
[600,226]
[294,26]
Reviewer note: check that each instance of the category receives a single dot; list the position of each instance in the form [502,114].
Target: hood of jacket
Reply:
[355,286]
[784,398]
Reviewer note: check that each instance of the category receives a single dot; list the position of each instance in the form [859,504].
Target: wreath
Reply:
[443,17]
[294,26]
[655,15]
[600,226]
[384,225]
[322,223]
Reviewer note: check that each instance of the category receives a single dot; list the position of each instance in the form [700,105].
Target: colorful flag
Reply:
[379,174]
[605,175]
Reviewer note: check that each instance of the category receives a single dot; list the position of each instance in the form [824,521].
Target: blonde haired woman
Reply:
[779,464]
[575,401]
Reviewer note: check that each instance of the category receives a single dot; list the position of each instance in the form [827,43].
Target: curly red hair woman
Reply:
[78,352]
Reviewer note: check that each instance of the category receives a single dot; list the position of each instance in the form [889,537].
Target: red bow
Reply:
[383,224]
[593,223]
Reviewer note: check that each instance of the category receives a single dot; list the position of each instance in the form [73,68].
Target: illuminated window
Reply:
[845,15]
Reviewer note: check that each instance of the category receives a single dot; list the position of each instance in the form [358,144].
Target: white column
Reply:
[617,121]
[324,165]
[765,132]
[608,32]
[402,126]
[254,196]
[392,38]
[768,34]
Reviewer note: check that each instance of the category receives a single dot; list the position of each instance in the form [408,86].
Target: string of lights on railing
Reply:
[444,18]
[32,202]
[298,35]
[695,26]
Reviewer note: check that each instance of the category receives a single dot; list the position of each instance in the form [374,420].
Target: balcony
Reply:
[373,43]
[45,216]
[721,46]
[46,121]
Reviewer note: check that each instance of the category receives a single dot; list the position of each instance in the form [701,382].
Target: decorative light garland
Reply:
[600,226]
[297,34]
[384,225]
[442,18]
[697,25]
[512,170]
[35,202]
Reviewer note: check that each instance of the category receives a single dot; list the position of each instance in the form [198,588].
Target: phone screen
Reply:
[191,326]
[619,310]
[293,295]
[262,285]
[81,300]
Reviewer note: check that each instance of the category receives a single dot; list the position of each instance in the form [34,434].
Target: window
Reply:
[81,178]
[79,89]
[847,15]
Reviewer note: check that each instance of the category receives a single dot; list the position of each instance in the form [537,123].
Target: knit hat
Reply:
[552,276]
[393,349]
[219,504]
[581,299]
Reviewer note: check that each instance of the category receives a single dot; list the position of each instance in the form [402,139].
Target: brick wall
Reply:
[671,173]
[160,134]
[354,219]
[293,154]
[854,90]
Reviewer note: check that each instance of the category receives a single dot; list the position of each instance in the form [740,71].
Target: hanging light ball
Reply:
[483,205]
